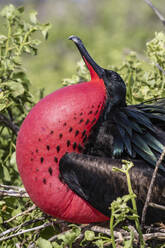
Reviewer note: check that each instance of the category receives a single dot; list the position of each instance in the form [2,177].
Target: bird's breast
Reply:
[61,122]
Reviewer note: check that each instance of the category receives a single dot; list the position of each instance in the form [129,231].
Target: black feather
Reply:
[125,139]
[140,118]
[93,179]
[122,119]
[153,142]
[118,146]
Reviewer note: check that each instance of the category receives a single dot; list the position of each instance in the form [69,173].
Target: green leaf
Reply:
[99,243]
[20,9]
[17,60]
[5,102]
[35,42]
[16,88]
[33,17]
[56,245]
[27,49]
[44,30]
[43,243]
[34,50]
[8,11]
[13,159]
[2,38]
[2,203]
[6,174]
[89,235]
[129,243]
[70,236]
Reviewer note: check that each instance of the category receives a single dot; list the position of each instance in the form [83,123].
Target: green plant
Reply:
[119,208]
[15,97]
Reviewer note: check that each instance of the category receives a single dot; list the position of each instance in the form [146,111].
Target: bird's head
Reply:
[115,86]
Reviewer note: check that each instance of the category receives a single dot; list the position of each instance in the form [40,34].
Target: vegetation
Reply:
[21,223]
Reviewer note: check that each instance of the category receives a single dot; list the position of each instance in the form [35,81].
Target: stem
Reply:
[24,41]
[8,38]
[137,223]
[151,186]
[8,123]
[111,229]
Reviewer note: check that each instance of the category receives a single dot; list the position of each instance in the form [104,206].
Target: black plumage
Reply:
[132,132]
[92,179]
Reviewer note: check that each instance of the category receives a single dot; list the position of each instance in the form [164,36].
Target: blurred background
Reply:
[109,29]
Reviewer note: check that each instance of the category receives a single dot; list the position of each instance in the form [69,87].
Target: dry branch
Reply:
[154,205]
[160,68]
[26,230]
[151,187]
[13,229]
[8,123]
[156,11]
[12,191]
[21,214]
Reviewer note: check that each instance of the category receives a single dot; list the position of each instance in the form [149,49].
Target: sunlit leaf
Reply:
[33,17]
[43,243]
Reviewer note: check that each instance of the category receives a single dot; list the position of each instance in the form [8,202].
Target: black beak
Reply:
[86,57]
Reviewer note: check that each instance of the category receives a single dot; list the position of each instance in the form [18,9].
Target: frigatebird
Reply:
[70,141]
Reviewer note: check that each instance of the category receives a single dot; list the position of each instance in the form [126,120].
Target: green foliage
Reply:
[15,100]
[15,97]
[68,238]
[82,74]
[99,240]
[145,78]
[120,210]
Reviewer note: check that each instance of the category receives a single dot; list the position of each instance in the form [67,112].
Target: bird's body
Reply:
[90,122]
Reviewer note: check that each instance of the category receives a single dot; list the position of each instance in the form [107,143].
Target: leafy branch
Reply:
[120,210]
[156,11]
[15,97]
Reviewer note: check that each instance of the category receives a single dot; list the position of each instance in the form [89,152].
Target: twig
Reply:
[160,68]
[94,228]
[20,214]
[10,187]
[21,193]
[26,230]
[149,236]
[151,187]
[27,223]
[17,245]
[9,123]
[31,245]
[156,11]
[120,235]
[152,229]
[53,238]
[10,190]
[154,205]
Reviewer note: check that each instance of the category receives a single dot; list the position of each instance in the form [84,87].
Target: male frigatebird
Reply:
[71,139]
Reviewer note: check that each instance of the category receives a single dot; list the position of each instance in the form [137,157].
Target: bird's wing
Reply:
[155,110]
[140,131]
[92,179]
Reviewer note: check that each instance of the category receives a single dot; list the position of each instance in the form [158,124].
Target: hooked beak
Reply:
[95,70]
